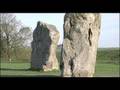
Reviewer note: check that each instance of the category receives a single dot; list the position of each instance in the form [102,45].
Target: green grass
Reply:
[22,69]
[108,60]
[107,70]
[108,55]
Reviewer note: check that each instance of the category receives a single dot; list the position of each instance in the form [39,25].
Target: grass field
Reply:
[22,69]
[107,66]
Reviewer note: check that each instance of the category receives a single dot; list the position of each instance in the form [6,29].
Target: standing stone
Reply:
[81,34]
[44,44]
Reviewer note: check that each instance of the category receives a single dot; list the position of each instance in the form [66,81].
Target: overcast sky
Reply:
[109,36]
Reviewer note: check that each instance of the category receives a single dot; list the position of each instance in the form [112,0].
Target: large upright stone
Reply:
[81,34]
[44,44]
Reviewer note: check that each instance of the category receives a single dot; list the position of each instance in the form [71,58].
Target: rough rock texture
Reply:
[44,44]
[81,34]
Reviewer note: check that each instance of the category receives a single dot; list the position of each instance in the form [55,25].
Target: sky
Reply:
[109,36]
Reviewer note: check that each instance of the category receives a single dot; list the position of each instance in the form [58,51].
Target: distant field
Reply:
[108,55]
[108,61]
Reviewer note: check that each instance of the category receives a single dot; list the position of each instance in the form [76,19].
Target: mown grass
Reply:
[107,70]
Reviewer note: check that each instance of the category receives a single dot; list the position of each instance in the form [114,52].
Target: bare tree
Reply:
[26,36]
[12,34]
[22,39]
[8,28]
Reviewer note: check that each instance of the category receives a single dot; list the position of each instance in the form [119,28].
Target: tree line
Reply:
[15,38]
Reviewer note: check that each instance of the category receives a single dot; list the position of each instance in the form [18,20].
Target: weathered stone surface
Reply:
[44,44]
[81,34]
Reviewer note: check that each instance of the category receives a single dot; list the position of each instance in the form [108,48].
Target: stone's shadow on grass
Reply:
[29,69]
[10,69]
[30,73]
[34,76]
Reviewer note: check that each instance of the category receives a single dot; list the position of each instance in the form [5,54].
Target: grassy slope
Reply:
[108,55]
